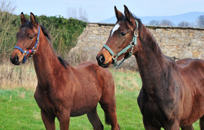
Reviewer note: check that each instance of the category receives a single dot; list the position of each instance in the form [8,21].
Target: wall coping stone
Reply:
[154,27]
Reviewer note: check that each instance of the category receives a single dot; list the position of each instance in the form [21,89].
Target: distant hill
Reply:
[190,17]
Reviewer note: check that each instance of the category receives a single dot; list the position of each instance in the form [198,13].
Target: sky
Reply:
[98,10]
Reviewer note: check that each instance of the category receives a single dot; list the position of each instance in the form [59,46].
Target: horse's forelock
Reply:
[29,24]
[138,20]
[121,18]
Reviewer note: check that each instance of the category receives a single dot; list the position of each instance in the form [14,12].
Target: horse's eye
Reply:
[31,37]
[123,34]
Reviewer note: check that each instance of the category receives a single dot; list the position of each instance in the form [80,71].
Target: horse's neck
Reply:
[45,62]
[150,60]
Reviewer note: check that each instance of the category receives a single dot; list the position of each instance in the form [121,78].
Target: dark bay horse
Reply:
[63,90]
[172,94]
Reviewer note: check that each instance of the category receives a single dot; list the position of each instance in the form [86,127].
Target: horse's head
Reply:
[122,41]
[27,40]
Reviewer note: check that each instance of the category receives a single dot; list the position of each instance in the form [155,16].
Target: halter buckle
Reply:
[34,50]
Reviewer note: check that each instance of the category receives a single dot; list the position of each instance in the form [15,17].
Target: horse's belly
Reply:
[84,104]
[81,111]
[196,112]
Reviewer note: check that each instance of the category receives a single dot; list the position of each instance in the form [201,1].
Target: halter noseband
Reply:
[25,53]
[115,56]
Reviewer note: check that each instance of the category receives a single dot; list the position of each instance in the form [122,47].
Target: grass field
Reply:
[19,111]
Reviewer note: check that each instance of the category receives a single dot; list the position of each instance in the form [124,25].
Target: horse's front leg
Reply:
[190,127]
[172,125]
[149,126]
[64,118]
[49,120]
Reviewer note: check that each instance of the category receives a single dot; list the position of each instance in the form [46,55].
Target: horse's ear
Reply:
[118,14]
[32,18]
[23,19]
[129,16]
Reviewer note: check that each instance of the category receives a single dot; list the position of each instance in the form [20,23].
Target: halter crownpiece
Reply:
[25,53]
[115,56]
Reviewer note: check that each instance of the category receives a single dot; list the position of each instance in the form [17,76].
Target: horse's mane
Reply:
[138,20]
[46,33]
[63,62]
[48,36]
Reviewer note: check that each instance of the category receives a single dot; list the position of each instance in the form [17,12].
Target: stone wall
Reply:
[177,42]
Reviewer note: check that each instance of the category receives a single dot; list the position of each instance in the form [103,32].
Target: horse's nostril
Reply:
[101,58]
[14,60]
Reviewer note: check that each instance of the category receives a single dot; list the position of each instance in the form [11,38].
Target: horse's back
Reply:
[192,71]
[190,65]
[93,66]
[184,61]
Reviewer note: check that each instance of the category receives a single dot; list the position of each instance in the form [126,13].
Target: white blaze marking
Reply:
[115,28]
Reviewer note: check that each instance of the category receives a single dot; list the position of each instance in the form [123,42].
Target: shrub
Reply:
[64,32]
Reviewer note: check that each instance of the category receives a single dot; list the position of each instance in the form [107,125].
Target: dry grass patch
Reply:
[126,79]
[12,76]
[24,75]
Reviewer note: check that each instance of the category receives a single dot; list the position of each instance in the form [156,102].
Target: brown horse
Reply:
[172,94]
[63,90]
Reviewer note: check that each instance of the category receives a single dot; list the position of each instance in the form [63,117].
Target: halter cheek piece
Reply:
[131,45]
[25,53]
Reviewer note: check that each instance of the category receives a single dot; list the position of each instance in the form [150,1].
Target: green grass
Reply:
[19,111]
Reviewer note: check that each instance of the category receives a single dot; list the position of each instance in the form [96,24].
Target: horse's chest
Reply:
[151,111]
[44,102]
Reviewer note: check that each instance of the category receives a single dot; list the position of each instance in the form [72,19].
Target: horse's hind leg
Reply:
[202,123]
[94,119]
[109,106]
[187,127]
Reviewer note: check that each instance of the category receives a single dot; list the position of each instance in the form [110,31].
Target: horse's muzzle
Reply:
[101,60]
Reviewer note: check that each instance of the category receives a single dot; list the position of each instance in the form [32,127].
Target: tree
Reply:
[7,30]
[154,22]
[71,13]
[166,22]
[200,21]
[82,15]
[184,24]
